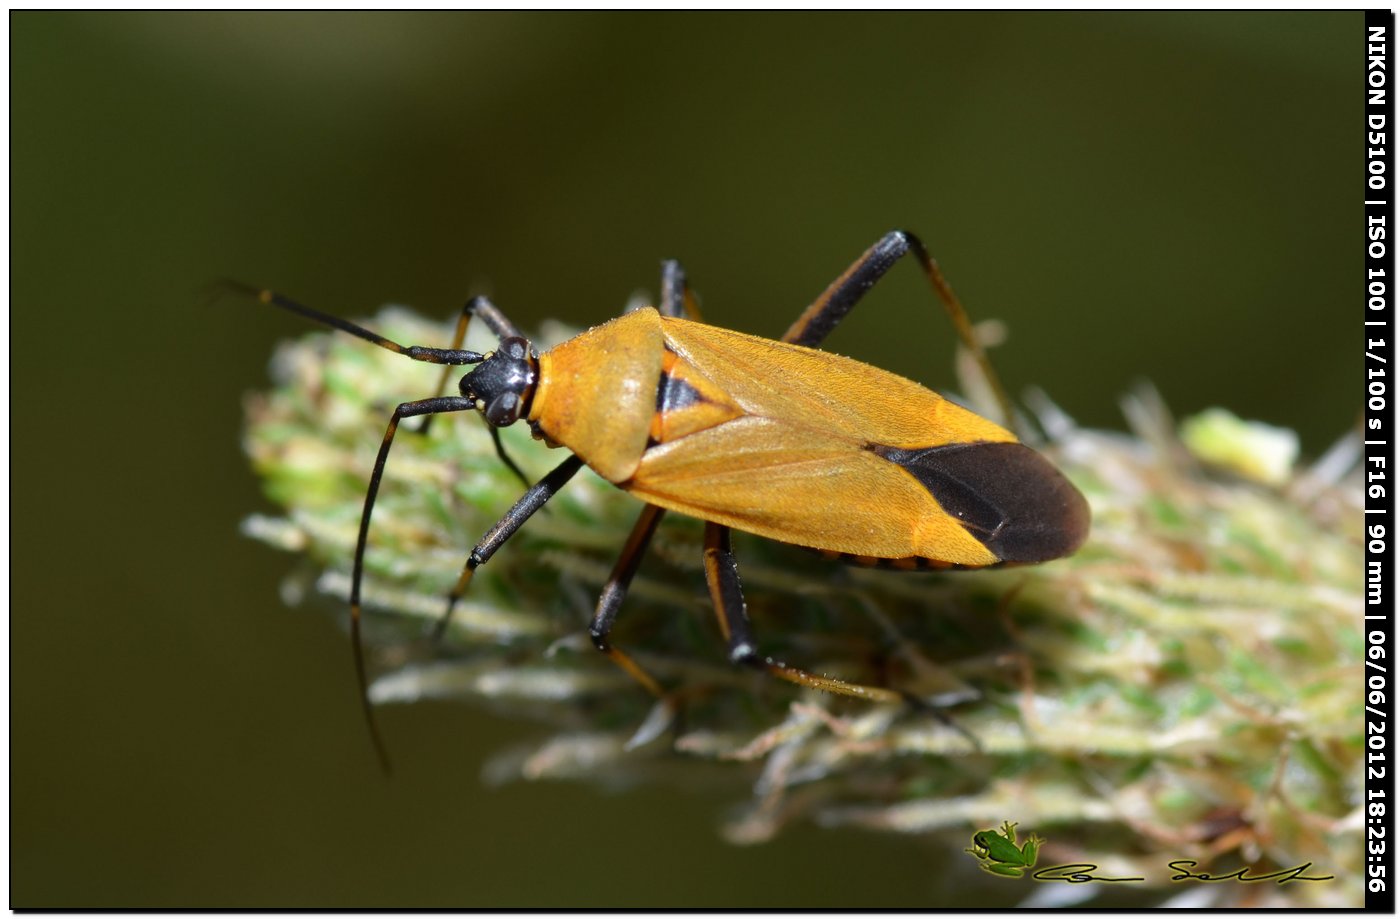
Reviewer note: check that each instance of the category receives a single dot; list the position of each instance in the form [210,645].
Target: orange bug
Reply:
[774,438]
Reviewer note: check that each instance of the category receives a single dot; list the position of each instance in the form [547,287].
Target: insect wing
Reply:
[799,484]
[837,395]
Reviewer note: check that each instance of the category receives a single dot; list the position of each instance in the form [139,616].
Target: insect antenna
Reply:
[451,356]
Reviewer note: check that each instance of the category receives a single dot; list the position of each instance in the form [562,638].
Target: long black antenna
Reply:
[454,356]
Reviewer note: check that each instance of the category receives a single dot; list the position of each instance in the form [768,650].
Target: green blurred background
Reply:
[1171,197]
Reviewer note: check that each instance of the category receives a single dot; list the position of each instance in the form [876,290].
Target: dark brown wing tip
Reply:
[1052,524]
[1007,495]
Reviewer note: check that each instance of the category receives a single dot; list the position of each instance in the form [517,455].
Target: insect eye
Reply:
[503,410]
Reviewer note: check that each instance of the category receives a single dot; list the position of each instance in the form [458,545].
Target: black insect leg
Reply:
[722,575]
[490,314]
[721,571]
[505,528]
[810,330]
[827,311]
[615,591]
[675,300]
[406,410]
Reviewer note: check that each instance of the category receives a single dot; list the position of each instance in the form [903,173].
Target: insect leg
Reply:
[827,311]
[501,327]
[677,300]
[490,314]
[505,528]
[615,591]
[501,453]
[722,575]
[405,410]
[721,571]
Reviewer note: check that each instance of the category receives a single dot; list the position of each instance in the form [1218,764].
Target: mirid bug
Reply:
[770,437]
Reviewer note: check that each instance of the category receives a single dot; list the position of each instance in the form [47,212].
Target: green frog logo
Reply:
[998,852]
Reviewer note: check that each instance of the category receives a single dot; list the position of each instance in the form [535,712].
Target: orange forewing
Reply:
[783,448]
[837,395]
[794,483]
[711,405]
